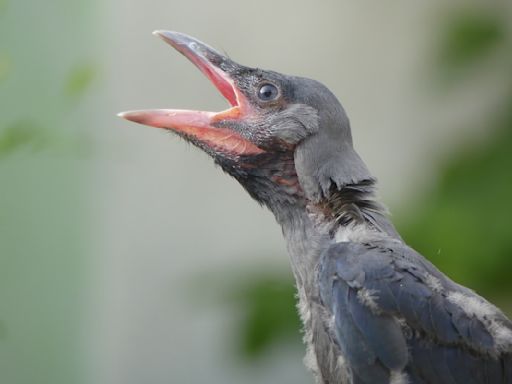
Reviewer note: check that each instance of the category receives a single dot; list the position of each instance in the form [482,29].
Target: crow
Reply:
[374,310]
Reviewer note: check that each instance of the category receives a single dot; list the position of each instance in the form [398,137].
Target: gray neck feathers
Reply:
[355,204]
[352,205]
[310,227]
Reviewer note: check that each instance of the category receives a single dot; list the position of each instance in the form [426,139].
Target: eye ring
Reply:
[268,92]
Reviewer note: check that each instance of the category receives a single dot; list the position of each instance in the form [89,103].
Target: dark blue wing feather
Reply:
[364,359]
[382,333]
[396,314]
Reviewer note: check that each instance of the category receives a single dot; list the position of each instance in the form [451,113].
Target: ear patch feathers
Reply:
[321,162]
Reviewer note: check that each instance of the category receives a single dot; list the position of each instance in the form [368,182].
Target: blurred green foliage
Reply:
[42,210]
[268,302]
[3,6]
[26,133]
[22,134]
[463,226]
[79,80]
[470,36]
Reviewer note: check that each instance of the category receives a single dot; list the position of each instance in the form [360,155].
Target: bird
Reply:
[373,309]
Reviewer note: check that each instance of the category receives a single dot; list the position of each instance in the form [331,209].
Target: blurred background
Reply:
[126,257]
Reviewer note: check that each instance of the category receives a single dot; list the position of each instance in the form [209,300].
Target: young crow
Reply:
[374,310]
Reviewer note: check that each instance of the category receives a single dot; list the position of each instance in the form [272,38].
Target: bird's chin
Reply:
[201,127]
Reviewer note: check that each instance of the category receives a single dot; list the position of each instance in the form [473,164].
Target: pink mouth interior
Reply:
[221,81]
[224,85]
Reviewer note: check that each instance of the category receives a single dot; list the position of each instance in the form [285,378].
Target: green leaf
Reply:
[22,134]
[79,80]
[469,37]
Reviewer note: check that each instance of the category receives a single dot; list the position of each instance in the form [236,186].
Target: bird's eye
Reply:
[268,92]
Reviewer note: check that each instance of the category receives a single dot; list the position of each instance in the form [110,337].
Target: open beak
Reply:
[200,125]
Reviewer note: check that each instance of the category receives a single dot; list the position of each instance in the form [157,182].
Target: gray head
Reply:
[285,138]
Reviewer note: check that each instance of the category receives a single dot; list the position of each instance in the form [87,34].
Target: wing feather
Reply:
[395,312]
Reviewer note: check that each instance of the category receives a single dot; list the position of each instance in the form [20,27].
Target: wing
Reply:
[397,319]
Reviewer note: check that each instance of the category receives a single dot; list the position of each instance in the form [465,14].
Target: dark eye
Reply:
[268,92]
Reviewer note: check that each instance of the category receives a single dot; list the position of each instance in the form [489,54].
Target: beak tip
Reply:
[145,117]
[175,39]
[134,116]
